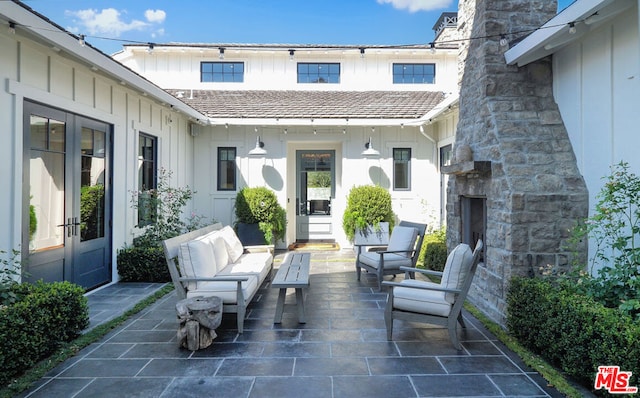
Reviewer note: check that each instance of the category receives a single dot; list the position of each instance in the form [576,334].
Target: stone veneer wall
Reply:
[534,191]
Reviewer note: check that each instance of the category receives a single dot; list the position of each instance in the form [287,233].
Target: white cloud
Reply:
[418,5]
[109,21]
[155,16]
[157,33]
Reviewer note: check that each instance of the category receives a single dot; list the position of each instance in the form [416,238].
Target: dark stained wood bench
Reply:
[293,273]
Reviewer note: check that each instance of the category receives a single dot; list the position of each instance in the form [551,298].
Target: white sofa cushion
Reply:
[391,260]
[456,269]
[196,258]
[420,300]
[403,238]
[234,246]
[227,291]
[257,264]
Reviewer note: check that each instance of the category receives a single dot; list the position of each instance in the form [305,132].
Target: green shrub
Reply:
[260,206]
[367,205]
[615,230]
[44,316]
[142,264]
[161,211]
[433,254]
[572,330]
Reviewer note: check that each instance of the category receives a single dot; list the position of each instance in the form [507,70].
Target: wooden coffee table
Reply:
[293,273]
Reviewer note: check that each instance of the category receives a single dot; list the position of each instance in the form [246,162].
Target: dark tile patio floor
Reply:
[341,351]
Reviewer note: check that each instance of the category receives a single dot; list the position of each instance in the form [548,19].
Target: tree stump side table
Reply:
[199,317]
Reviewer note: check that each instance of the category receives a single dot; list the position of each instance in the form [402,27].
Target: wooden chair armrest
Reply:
[422,271]
[432,288]
[395,251]
[259,248]
[239,278]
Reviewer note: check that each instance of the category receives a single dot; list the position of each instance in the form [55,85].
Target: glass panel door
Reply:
[67,206]
[92,263]
[315,190]
[46,218]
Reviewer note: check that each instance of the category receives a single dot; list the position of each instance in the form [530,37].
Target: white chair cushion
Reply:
[227,291]
[403,238]
[196,258]
[234,246]
[391,260]
[456,269]
[420,300]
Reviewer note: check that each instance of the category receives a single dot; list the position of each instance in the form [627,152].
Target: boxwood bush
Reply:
[43,317]
[572,330]
[142,264]
[367,205]
[259,205]
[433,254]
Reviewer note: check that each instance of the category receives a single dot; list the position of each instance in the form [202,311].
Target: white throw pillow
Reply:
[197,259]
[234,246]
[220,251]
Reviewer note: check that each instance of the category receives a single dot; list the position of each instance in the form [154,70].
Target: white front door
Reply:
[315,189]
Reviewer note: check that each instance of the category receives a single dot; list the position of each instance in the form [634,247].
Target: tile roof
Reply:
[310,104]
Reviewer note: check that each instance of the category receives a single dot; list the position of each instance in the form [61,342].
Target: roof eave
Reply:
[53,36]
[554,34]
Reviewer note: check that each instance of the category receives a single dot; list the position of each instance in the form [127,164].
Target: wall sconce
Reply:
[362,49]
[221,49]
[259,149]
[369,151]
[292,54]
[12,28]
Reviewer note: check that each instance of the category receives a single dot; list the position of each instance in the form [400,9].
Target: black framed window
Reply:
[414,73]
[147,178]
[318,73]
[222,72]
[401,169]
[226,169]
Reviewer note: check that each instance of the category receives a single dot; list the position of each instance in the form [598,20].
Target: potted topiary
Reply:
[260,219]
[368,210]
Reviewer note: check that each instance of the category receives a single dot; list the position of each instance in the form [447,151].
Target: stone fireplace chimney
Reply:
[514,178]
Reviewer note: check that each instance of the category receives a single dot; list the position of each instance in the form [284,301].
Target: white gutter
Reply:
[33,26]
[322,122]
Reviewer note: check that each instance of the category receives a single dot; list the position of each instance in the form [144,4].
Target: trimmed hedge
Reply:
[572,331]
[142,264]
[45,316]
[367,205]
[433,254]
[259,205]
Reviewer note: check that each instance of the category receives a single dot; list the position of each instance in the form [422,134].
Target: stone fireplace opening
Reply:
[473,211]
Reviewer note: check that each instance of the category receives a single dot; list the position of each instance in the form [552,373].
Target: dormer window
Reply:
[414,73]
[318,73]
[232,72]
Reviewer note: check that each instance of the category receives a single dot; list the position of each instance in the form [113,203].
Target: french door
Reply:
[66,222]
[315,189]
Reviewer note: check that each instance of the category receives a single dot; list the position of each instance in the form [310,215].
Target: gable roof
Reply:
[310,104]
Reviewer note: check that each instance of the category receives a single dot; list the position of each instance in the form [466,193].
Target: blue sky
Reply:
[108,24]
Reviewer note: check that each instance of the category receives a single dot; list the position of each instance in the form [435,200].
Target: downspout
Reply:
[435,144]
